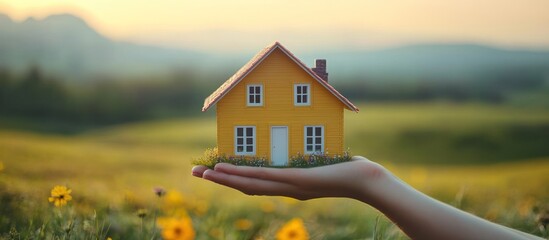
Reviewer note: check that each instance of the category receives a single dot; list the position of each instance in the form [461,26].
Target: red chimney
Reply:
[320,69]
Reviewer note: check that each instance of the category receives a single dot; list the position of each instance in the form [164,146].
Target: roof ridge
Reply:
[254,62]
[233,80]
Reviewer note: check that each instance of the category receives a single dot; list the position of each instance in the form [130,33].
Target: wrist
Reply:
[378,186]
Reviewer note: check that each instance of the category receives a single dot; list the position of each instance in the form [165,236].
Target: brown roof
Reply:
[254,62]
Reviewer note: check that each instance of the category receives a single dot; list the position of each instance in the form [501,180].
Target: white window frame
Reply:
[308,94]
[244,141]
[248,103]
[314,136]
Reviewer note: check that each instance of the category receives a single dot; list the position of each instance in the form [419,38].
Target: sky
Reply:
[246,25]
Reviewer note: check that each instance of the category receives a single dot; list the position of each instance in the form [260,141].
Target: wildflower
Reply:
[60,195]
[142,213]
[243,224]
[293,230]
[109,238]
[159,191]
[176,228]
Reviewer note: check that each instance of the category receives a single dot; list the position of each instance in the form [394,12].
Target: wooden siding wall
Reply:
[278,74]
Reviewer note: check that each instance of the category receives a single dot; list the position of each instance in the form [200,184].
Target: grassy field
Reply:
[490,160]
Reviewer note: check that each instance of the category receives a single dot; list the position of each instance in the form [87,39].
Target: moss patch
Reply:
[211,157]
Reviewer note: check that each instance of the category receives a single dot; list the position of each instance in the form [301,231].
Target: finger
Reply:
[198,171]
[251,186]
[287,175]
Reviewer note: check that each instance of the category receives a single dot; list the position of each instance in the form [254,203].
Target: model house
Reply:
[277,107]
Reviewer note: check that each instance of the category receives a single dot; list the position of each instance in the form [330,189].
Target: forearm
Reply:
[422,217]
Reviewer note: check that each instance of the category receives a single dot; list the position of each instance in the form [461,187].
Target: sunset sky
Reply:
[219,25]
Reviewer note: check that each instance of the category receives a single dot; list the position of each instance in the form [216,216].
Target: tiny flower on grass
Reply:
[293,230]
[60,195]
[142,213]
[176,228]
[159,191]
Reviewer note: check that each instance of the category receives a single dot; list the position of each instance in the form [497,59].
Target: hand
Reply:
[418,215]
[354,179]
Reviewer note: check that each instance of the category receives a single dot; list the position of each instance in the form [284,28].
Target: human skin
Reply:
[418,215]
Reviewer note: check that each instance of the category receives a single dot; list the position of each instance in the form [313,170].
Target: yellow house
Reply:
[276,107]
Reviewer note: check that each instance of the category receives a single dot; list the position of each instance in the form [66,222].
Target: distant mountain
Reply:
[66,46]
[433,62]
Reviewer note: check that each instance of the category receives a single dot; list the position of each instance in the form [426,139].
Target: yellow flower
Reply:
[142,213]
[176,228]
[293,230]
[60,195]
[243,224]
[1,166]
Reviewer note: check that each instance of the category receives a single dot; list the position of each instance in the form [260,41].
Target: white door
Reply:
[279,146]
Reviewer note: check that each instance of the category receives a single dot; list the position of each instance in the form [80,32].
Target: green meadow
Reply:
[491,160]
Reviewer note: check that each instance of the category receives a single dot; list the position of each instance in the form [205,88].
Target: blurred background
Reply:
[105,97]
[89,63]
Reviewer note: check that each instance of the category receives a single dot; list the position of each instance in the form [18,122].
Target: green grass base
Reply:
[211,157]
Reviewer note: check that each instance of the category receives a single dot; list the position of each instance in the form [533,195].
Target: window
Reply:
[244,140]
[302,94]
[255,95]
[314,139]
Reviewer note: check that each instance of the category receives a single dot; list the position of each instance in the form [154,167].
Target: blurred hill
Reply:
[65,45]
[73,75]
[436,61]
[459,72]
